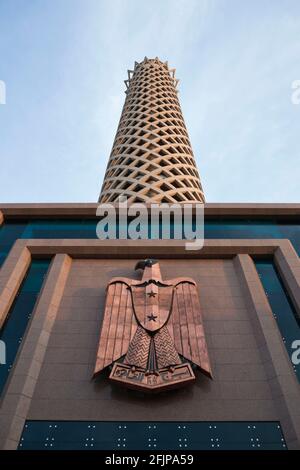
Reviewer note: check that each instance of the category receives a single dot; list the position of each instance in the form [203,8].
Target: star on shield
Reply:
[151,317]
[152,294]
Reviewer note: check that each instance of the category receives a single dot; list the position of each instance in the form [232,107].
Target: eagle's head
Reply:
[146,263]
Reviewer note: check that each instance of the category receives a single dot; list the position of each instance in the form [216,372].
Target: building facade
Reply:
[53,277]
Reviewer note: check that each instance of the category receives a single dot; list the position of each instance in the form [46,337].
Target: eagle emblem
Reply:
[152,333]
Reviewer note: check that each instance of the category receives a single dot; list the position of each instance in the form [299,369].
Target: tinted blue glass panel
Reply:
[9,232]
[283,310]
[83,228]
[19,315]
[67,435]
[86,228]
[253,229]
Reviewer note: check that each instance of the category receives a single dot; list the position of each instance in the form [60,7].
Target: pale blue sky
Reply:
[64,62]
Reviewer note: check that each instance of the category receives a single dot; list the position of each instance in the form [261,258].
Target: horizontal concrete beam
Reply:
[79,248]
[88,210]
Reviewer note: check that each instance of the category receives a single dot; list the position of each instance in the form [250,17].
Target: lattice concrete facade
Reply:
[152,159]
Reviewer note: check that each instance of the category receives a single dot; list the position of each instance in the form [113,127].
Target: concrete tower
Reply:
[152,159]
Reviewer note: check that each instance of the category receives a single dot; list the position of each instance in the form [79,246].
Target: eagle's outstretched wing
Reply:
[118,325]
[186,326]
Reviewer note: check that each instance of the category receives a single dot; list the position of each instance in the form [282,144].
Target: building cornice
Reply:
[88,210]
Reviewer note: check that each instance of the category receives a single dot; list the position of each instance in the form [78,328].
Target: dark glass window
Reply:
[20,312]
[82,228]
[225,228]
[86,228]
[72,435]
[9,233]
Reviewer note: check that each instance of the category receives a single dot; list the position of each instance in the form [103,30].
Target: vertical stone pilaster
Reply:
[281,377]
[11,275]
[288,264]
[20,390]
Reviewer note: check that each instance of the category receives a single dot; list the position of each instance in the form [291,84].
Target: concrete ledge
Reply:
[88,210]
[156,248]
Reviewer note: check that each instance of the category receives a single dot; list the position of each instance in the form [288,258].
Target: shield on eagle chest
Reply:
[152,303]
